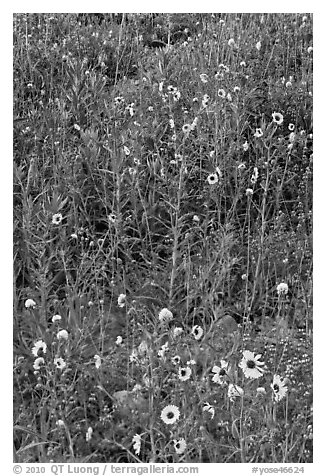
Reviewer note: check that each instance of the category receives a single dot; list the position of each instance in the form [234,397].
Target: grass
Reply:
[151,174]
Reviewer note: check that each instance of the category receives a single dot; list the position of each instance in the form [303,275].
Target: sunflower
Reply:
[212,179]
[277,118]
[170,414]
[251,365]
[279,388]
[221,373]
[197,332]
[184,373]
[180,446]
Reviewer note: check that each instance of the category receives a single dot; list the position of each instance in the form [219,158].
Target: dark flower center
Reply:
[183,373]
[170,415]
[276,388]
[222,372]
[251,364]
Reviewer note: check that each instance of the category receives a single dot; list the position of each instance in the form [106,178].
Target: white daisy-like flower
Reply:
[196,218]
[118,340]
[288,84]
[310,49]
[62,335]
[282,289]
[38,363]
[249,192]
[57,219]
[171,122]
[245,146]
[205,100]
[292,137]
[122,300]
[242,63]
[136,439]
[221,373]
[89,433]
[221,93]
[39,346]
[258,132]
[98,361]
[229,97]
[203,78]
[118,100]
[209,408]
[231,42]
[180,446]
[59,363]
[279,388]
[191,362]
[56,318]
[197,332]
[112,218]
[126,150]
[261,391]
[291,126]
[250,364]
[170,414]
[176,360]
[241,166]
[236,89]
[30,303]
[184,373]
[277,118]
[165,315]
[186,128]
[258,45]
[234,391]
[77,127]
[60,423]
[212,179]
[176,96]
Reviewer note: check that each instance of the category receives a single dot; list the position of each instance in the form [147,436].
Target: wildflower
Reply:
[282,289]
[241,166]
[137,161]
[176,96]
[112,217]
[243,64]
[136,439]
[184,373]
[254,176]
[291,126]
[245,146]
[236,89]
[122,300]
[164,348]
[77,127]
[165,315]
[234,391]
[226,69]
[249,192]
[131,110]
[288,84]
[59,363]
[90,303]
[133,356]
[261,391]
[310,49]
[221,93]
[231,42]
[229,97]
[251,365]
[170,414]
[208,408]
[38,363]
[194,124]
[56,219]
[191,362]
[150,109]
[74,236]
[171,121]
[60,423]
[56,318]
[218,171]
[197,332]
[118,340]
[180,446]
[292,137]
[118,100]
[177,331]
[258,45]
[277,118]
[62,335]
[212,179]
[89,433]
[258,132]
[30,303]
[98,361]
[126,150]
[243,277]
[186,128]
[40,345]
[205,100]
[176,360]
[220,373]
[279,388]
[203,78]
[196,218]
[170,89]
